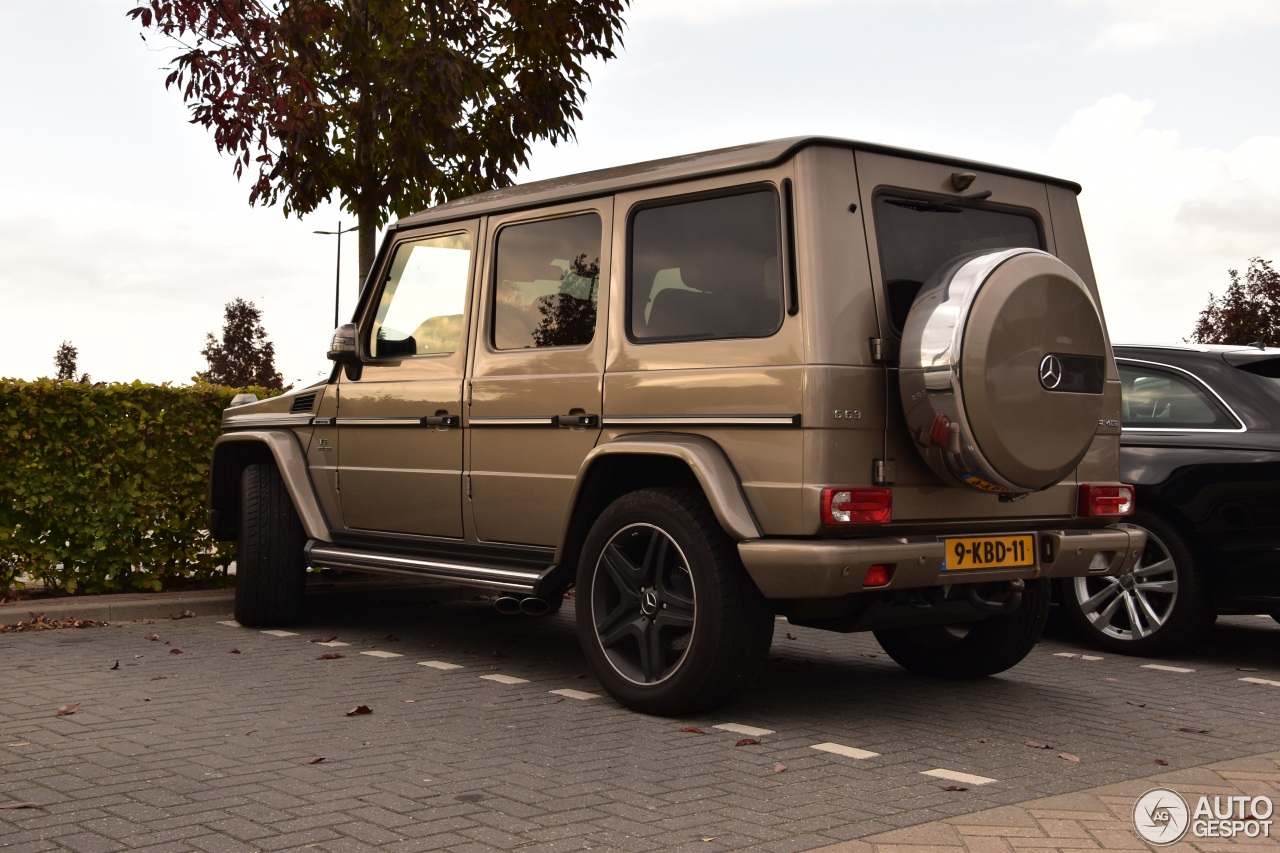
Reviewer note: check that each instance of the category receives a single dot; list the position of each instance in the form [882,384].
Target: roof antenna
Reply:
[1261,343]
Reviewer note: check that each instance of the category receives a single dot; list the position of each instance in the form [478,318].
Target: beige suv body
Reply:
[863,388]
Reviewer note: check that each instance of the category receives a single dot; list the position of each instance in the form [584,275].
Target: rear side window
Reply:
[706,269]
[547,283]
[916,236]
[1154,398]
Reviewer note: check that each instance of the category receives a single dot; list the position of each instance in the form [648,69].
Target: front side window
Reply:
[420,312]
[1162,399]
[918,236]
[706,269]
[547,283]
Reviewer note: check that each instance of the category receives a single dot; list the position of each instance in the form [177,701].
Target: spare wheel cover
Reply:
[1002,368]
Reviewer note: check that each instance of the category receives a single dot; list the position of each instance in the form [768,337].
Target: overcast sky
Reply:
[123,230]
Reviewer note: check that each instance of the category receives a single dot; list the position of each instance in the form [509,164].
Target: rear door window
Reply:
[1159,398]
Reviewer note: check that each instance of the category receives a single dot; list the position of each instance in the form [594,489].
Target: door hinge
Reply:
[884,350]
[335,481]
[468,479]
[884,472]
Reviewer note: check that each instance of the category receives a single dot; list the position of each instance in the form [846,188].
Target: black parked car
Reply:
[1201,442]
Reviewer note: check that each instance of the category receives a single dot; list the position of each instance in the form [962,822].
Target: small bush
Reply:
[102,487]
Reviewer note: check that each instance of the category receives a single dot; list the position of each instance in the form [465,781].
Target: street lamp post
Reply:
[337,276]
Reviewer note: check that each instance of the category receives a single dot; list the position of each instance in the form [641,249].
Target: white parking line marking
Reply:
[846,751]
[750,731]
[281,633]
[381,654]
[1262,681]
[230,623]
[957,776]
[439,664]
[1076,656]
[576,694]
[1162,668]
[333,644]
[505,679]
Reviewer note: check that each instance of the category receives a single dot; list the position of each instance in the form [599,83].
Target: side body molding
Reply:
[233,451]
[704,458]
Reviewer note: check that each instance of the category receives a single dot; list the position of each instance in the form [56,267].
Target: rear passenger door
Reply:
[535,392]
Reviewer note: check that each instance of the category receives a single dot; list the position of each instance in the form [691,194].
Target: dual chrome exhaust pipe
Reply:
[509,605]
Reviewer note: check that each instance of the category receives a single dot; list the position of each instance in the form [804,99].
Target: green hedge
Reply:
[102,487]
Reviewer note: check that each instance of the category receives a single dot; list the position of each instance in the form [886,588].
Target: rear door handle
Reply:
[442,420]
[578,420]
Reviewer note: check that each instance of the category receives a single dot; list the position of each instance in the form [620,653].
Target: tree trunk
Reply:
[367,237]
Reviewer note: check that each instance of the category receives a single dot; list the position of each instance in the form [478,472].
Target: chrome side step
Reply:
[327,555]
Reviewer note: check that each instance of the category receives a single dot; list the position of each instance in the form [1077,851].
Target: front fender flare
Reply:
[237,449]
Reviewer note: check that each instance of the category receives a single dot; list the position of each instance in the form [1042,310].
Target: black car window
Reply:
[547,283]
[1156,398]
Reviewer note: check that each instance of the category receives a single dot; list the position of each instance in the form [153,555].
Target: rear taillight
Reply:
[857,506]
[1104,501]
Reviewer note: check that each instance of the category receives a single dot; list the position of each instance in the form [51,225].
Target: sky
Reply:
[124,231]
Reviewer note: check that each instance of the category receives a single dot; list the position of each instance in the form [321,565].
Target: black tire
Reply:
[669,621]
[271,570]
[975,650]
[1167,592]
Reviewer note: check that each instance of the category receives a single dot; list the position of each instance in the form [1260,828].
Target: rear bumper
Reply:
[784,568]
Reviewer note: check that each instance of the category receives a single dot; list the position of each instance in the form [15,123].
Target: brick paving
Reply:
[213,751]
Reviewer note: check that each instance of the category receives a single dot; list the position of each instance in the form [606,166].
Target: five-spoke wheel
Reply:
[668,619]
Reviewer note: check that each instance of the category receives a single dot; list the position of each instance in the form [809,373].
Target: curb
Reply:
[124,607]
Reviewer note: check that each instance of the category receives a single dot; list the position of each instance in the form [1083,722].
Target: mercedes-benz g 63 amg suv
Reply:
[858,387]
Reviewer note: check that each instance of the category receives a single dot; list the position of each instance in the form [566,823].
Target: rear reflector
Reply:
[857,506]
[1104,501]
[877,575]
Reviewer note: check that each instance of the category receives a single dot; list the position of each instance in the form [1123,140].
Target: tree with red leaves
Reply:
[392,105]
[1249,311]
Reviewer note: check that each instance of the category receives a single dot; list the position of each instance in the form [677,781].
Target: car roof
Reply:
[674,169]
[1233,354]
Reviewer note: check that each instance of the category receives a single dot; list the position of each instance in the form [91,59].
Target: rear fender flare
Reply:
[704,458]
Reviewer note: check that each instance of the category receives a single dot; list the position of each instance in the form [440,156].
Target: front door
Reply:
[539,361]
[400,422]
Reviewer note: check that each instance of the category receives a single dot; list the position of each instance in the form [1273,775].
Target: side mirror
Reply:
[342,348]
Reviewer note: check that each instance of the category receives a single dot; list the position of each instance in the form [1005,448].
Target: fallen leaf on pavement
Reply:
[954,788]
[391,638]
[153,637]
[175,651]
[1066,756]
[1136,704]
[779,768]
[359,709]
[790,636]
[233,651]
[693,730]
[64,710]
[330,656]
[315,760]
[1246,669]
[159,677]
[21,806]
[982,740]
[747,741]
[1194,731]
[115,665]
[187,614]
[328,639]
[19,743]
[1162,762]
[1035,744]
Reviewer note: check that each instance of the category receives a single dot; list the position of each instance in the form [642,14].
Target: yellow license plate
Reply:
[989,552]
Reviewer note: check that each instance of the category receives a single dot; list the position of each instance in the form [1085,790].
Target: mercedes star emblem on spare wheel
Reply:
[1050,372]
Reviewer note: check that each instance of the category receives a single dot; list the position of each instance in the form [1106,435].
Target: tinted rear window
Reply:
[916,236]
